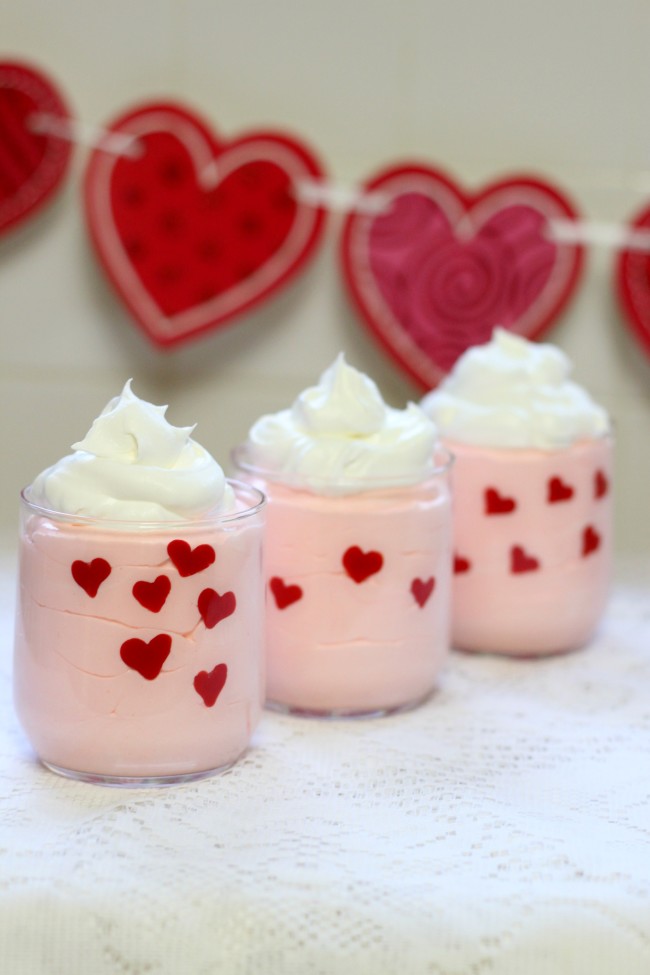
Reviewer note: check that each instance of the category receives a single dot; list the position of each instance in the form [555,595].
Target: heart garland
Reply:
[32,163]
[438,268]
[193,229]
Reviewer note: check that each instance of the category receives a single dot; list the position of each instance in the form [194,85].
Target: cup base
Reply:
[334,714]
[137,781]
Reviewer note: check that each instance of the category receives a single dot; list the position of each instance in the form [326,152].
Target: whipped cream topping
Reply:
[133,465]
[514,393]
[339,437]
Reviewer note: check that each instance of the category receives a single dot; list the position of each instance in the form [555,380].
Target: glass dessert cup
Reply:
[358,592]
[139,647]
[532,546]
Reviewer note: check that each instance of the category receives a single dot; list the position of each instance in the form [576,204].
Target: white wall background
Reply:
[478,88]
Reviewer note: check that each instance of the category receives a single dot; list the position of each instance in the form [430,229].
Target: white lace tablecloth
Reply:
[502,829]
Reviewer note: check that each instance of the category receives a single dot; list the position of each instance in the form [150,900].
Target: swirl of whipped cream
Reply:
[133,465]
[339,437]
[514,393]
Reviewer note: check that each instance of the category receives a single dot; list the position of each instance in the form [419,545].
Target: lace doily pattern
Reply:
[501,828]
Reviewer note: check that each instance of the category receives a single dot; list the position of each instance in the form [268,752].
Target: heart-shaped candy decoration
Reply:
[557,491]
[521,561]
[284,594]
[360,565]
[147,658]
[33,160]
[190,560]
[152,595]
[632,277]
[209,685]
[422,589]
[214,608]
[438,268]
[192,229]
[498,504]
[90,575]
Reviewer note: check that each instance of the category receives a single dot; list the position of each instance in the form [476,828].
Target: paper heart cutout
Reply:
[209,685]
[632,281]
[498,504]
[438,268]
[90,575]
[284,594]
[194,230]
[214,608]
[422,590]
[190,560]
[147,658]
[152,595]
[558,491]
[590,541]
[521,561]
[32,163]
[361,565]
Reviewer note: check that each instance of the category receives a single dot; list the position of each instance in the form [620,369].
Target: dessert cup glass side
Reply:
[358,590]
[138,655]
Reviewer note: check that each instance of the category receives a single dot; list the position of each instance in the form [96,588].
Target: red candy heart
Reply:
[190,560]
[361,565]
[558,491]
[438,268]
[633,281]
[498,504]
[152,595]
[194,230]
[32,162]
[601,485]
[590,540]
[210,685]
[422,590]
[461,565]
[90,575]
[214,608]
[146,658]
[283,594]
[520,561]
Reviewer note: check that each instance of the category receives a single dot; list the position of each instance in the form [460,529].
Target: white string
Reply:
[116,143]
[335,196]
[612,235]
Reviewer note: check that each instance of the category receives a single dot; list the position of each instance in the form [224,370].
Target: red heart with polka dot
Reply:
[33,160]
[192,229]
[437,268]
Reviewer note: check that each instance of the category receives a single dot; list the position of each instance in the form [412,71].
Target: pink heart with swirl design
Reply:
[437,268]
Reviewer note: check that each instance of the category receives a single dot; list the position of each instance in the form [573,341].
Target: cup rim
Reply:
[443,457]
[187,524]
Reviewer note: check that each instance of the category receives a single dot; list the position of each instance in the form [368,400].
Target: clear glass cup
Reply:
[358,592]
[139,647]
[532,546]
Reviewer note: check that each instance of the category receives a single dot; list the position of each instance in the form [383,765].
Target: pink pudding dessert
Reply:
[531,482]
[139,625]
[358,549]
